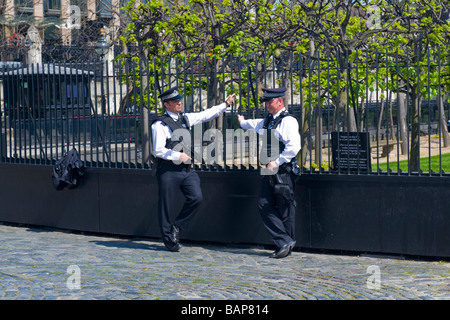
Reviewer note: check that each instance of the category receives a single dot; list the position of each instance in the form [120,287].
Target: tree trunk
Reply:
[212,90]
[345,113]
[145,114]
[402,124]
[318,135]
[363,114]
[305,136]
[380,117]
[391,135]
[219,120]
[442,119]
[416,100]
[351,120]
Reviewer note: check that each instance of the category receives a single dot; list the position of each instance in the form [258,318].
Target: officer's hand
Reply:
[272,165]
[231,98]
[240,118]
[184,157]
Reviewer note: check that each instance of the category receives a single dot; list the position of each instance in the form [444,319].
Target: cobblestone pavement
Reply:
[49,264]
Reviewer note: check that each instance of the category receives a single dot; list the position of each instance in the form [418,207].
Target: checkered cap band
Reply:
[268,95]
[172,95]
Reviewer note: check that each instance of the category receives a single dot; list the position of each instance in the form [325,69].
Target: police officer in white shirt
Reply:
[174,163]
[281,144]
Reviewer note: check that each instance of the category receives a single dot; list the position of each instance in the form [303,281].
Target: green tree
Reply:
[335,42]
[402,42]
[413,47]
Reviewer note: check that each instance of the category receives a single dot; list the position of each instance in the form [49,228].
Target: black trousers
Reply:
[171,180]
[278,216]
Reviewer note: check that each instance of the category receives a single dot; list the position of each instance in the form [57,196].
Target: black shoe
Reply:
[174,232]
[174,247]
[292,245]
[284,251]
[281,252]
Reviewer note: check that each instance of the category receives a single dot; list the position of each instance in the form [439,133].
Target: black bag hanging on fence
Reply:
[67,170]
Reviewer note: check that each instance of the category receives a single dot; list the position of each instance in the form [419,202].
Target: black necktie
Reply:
[179,119]
[269,134]
[270,123]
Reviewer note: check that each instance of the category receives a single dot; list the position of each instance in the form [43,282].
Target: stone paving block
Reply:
[35,263]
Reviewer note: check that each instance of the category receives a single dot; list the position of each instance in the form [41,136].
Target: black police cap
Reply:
[273,93]
[170,94]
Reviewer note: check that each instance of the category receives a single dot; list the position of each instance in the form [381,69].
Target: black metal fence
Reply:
[378,113]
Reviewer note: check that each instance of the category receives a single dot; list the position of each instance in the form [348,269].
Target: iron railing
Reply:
[358,116]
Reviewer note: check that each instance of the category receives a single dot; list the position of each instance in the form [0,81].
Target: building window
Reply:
[24,6]
[104,8]
[52,5]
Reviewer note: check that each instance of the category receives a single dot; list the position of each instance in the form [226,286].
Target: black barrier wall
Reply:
[382,214]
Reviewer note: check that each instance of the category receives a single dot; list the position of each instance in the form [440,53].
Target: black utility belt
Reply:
[284,168]
[170,163]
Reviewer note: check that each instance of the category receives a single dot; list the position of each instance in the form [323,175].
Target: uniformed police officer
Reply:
[174,163]
[276,199]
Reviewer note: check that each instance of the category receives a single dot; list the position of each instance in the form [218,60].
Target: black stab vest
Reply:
[266,149]
[174,125]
